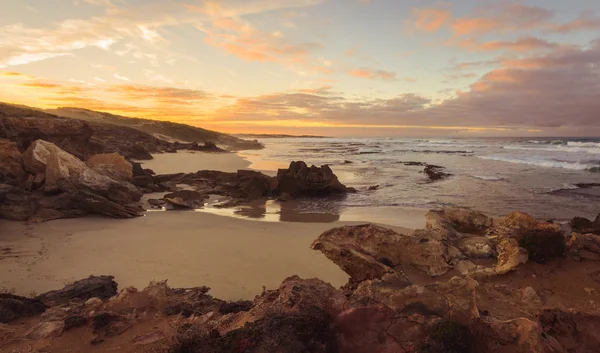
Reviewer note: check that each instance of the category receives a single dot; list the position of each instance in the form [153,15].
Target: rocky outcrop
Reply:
[455,222]
[11,164]
[510,256]
[186,199]
[369,251]
[111,164]
[584,246]
[435,173]
[584,225]
[14,307]
[301,180]
[516,224]
[15,203]
[102,287]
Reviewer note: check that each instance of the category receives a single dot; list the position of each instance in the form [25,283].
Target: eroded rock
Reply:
[13,307]
[111,164]
[11,164]
[102,287]
[510,255]
[301,180]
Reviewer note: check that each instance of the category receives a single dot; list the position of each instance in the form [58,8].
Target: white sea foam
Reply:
[488,177]
[584,144]
[556,148]
[542,162]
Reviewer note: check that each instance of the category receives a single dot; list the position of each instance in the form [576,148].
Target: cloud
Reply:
[523,44]
[122,78]
[587,21]
[373,74]
[430,19]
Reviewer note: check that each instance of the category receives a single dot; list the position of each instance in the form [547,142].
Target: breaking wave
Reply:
[544,163]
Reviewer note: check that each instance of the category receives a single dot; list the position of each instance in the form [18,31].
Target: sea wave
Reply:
[544,162]
[488,177]
[547,142]
[584,144]
[557,148]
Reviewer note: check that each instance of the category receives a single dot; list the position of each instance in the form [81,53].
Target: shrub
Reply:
[448,337]
[543,245]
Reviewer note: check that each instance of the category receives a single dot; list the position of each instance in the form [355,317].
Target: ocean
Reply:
[548,178]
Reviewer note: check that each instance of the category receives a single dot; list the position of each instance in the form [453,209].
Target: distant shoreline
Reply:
[279,136]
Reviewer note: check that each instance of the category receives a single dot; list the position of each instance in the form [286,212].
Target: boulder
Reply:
[301,180]
[518,223]
[585,246]
[11,164]
[461,296]
[186,199]
[254,185]
[584,225]
[58,165]
[369,251]
[577,332]
[111,164]
[524,335]
[510,255]
[15,203]
[83,202]
[453,221]
[14,307]
[102,287]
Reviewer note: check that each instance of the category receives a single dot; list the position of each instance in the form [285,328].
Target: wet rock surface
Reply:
[302,180]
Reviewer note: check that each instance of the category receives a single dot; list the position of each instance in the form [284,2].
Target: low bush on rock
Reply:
[448,337]
[306,331]
[543,245]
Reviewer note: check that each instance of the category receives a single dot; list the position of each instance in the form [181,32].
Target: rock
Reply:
[300,180]
[207,147]
[402,296]
[186,199]
[530,296]
[365,330]
[517,223]
[14,307]
[111,164]
[254,185]
[109,324]
[435,173]
[453,221]
[585,246]
[373,188]
[576,332]
[461,296]
[92,203]
[58,165]
[43,330]
[584,225]
[156,202]
[309,330]
[476,247]
[75,321]
[358,250]
[142,180]
[510,256]
[348,162]
[93,303]
[11,164]
[71,135]
[524,334]
[102,287]
[15,203]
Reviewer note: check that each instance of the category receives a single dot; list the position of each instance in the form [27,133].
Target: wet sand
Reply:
[192,161]
[235,256]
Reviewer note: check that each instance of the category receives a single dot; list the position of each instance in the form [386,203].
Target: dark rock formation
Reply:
[435,173]
[102,287]
[11,164]
[584,225]
[15,203]
[194,146]
[301,180]
[13,307]
[186,199]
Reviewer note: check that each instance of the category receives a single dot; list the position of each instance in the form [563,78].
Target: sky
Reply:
[328,67]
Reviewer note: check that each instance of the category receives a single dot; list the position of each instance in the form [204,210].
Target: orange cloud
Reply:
[521,45]
[373,74]
[430,19]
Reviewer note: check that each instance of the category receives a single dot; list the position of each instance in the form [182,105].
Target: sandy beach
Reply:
[236,257]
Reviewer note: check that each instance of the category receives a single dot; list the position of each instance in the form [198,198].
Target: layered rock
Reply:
[111,164]
[11,164]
